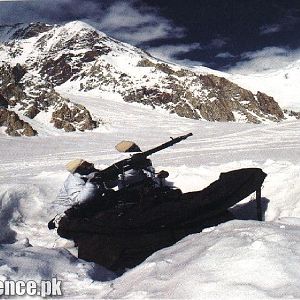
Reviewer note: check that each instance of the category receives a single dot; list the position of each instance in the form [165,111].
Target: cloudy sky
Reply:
[242,36]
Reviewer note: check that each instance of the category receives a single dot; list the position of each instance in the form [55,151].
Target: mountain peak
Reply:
[77,58]
[80,26]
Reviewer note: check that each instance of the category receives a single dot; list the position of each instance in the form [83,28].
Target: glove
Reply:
[94,177]
[51,224]
[162,174]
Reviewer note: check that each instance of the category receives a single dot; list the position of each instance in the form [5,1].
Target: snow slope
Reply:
[282,85]
[235,260]
[238,260]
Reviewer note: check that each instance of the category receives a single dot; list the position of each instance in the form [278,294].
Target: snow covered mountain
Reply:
[282,84]
[76,58]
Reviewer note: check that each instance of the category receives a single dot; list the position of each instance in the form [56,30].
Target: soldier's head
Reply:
[80,166]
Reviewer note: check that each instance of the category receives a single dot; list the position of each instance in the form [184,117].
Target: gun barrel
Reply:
[170,143]
[111,173]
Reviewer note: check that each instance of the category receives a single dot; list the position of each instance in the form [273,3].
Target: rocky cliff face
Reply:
[3,102]
[76,57]
[22,93]
[15,126]
[217,100]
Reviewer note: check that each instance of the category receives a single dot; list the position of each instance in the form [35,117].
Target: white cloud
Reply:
[127,21]
[123,14]
[266,59]
[224,55]
[269,29]
[218,43]
[285,23]
[169,52]
[145,33]
[54,11]
[137,25]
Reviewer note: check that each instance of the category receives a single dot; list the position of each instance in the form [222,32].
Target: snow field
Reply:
[242,259]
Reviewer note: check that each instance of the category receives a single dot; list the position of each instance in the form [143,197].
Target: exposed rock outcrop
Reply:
[292,113]
[59,70]
[217,100]
[14,125]
[3,102]
[71,117]
[31,111]
[39,96]
[18,72]
[10,87]
[269,106]
[32,30]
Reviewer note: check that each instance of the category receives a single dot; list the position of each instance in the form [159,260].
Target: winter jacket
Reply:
[133,176]
[77,189]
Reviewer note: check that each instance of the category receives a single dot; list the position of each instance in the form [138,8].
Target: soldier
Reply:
[140,175]
[88,190]
[80,187]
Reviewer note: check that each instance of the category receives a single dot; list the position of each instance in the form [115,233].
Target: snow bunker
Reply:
[131,229]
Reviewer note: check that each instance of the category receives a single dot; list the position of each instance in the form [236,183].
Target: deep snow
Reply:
[237,260]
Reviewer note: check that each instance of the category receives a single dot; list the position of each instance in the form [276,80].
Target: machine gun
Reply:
[136,161]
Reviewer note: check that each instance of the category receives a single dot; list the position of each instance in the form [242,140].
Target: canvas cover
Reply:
[127,146]
[122,236]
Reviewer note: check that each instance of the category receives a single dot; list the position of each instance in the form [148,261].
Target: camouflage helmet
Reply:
[74,164]
[128,146]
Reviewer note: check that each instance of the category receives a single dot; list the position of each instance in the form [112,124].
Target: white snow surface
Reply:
[242,259]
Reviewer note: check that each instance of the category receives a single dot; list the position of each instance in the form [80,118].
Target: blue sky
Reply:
[231,35]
